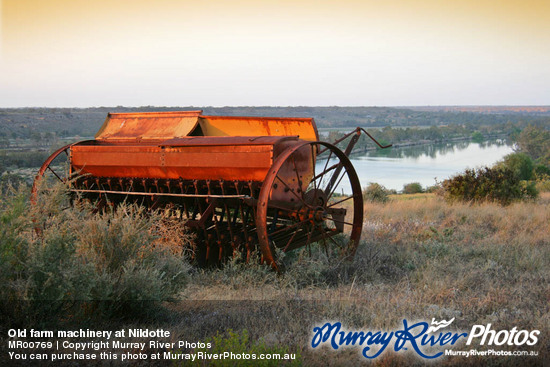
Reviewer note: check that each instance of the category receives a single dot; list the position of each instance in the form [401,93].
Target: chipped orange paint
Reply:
[148,126]
[188,158]
[187,145]
[305,128]
[159,126]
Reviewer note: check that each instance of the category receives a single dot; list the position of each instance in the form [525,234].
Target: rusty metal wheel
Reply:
[302,203]
[53,169]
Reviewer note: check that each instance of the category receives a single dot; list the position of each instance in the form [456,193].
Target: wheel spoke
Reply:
[299,182]
[308,241]
[325,172]
[324,239]
[336,186]
[313,165]
[341,201]
[326,165]
[314,180]
[56,175]
[333,241]
[290,241]
[320,175]
[341,221]
[289,227]
[292,191]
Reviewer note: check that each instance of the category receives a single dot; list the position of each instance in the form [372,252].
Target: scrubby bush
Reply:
[520,163]
[10,180]
[13,247]
[542,177]
[111,264]
[542,183]
[375,192]
[540,170]
[497,184]
[412,188]
[436,189]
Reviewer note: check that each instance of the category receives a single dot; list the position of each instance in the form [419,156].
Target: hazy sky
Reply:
[215,53]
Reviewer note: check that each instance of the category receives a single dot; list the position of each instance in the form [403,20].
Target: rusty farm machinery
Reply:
[241,184]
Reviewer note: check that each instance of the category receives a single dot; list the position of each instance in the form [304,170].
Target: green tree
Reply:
[412,188]
[535,142]
[520,163]
[477,137]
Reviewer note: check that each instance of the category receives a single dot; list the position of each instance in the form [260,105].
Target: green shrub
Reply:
[375,193]
[436,189]
[477,137]
[529,190]
[520,163]
[542,178]
[543,182]
[497,184]
[540,170]
[412,188]
[112,264]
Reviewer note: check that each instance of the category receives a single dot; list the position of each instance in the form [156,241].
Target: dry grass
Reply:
[420,258]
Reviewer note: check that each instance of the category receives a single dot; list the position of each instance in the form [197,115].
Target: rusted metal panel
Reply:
[148,126]
[305,128]
[158,126]
[226,140]
[296,173]
[215,158]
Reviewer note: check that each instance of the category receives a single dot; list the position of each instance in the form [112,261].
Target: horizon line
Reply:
[290,106]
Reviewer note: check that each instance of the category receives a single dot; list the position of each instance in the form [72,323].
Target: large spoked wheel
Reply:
[54,169]
[311,197]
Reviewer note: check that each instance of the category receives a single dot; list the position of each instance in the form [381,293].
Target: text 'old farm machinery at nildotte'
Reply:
[239,183]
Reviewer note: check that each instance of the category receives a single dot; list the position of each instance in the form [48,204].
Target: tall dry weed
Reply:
[70,261]
[419,258]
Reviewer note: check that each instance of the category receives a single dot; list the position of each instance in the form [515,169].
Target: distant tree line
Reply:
[23,122]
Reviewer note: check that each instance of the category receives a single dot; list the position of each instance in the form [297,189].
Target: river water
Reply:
[395,167]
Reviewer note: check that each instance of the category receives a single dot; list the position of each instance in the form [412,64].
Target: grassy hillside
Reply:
[34,123]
